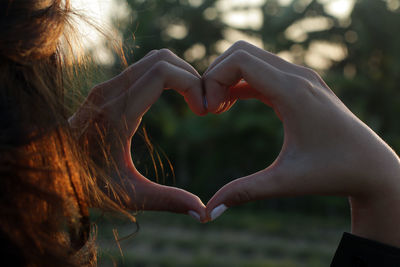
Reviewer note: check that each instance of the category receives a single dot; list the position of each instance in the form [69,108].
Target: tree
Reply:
[204,151]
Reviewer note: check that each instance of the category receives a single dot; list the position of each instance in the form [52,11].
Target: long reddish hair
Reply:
[47,182]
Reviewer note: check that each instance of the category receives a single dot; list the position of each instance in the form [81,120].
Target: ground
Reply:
[238,238]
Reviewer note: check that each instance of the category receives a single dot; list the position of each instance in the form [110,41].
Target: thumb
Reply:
[153,196]
[257,186]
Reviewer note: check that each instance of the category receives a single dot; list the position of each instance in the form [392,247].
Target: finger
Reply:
[119,84]
[263,55]
[242,90]
[253,187]
[152,196]
[136,70]
[264,78]
[164,75]
[292,174]
[132,105]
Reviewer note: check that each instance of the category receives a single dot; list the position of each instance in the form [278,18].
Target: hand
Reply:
[111,114]
[327,150]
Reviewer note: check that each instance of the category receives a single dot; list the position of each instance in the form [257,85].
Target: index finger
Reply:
[272,83]
[259,53]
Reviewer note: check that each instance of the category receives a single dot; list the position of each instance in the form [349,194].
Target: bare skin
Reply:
[327,150]
[118,105]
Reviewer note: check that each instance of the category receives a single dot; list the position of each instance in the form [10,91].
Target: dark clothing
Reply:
[355,251]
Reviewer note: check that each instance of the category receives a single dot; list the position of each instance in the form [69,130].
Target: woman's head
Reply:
[30,30]
[30,58]
[43,206]
[46,180]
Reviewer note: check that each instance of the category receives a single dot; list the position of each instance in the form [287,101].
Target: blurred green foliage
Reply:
[207,152]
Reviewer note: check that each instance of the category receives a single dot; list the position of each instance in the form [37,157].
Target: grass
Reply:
[238,238]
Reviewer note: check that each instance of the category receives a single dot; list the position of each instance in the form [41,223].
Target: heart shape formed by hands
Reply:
[325,146]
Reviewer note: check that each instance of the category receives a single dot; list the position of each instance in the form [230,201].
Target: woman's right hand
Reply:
[110,116]
[327,150]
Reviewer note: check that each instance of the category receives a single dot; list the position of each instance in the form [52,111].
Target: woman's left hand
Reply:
[326,150]
[112,113]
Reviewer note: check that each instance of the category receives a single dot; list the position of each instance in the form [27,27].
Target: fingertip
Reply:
[199,110]
[205,103]
[194,215]
[216,206]
[166,198]
[196,99]
[209,95]
[217,211]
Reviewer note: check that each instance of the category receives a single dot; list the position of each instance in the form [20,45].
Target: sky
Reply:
[101,12]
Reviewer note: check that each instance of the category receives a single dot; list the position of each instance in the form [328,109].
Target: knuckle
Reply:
[159,69]
[240,45]
[240,193]
[126,75]
[312,75]
[303,87]
[310,72]
[152,52]
[96,94]
[241,197]
[315,82]
[209,79]
[96,90]
[240,55]
[164,54]
[305,83]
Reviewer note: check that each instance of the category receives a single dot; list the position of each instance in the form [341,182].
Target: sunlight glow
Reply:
[393,4]
[338,8]
[231,36]
[195,3]
[196,52]
[238,14]
[298,31]
[102,13]
[285,2]
[98,11]
[225,5]
[210,13]
[251,18]
[321,54]
[177,31]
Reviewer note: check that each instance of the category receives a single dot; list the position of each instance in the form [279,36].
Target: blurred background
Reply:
[354,45]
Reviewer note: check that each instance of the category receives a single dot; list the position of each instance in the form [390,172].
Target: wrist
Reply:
[376,214]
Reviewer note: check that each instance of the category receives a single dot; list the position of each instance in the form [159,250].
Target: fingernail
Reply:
[205,103]
[216,212]
[194,214]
